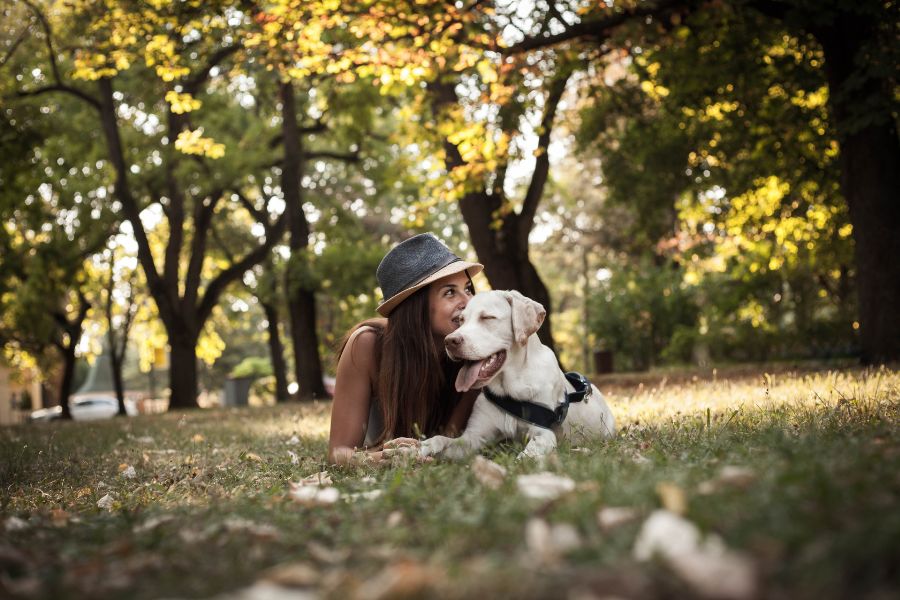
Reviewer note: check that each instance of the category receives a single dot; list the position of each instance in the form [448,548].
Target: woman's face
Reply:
[447,297]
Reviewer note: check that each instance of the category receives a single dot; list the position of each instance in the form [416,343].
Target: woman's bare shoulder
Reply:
[360,348]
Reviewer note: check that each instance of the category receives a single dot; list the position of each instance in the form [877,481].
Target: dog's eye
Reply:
[487,317]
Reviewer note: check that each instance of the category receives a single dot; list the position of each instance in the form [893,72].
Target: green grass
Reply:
[209,510]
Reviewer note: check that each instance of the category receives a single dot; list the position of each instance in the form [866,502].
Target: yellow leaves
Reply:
[92,66]
[752,312]
[487,70]
[170,72]
[182,103]
[653,90]
[160,47]
[193,142]
[718,111]
[813,100]
[845,231]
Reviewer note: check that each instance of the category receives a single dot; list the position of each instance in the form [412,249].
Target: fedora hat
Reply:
[414,263]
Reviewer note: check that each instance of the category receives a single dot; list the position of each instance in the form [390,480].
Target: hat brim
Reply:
[385,308]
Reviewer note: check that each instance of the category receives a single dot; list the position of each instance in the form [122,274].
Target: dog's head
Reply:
[491,324]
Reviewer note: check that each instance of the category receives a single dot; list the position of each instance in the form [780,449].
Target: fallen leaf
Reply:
[321,478]
[705,564]
[129,472]
[152,523]
[367,495]
[15,524]
[268,590]
[293,575]
[82,492]
[145,439]
[198,437]
[394,519]
[728,476]
[324,554]
[403,579]
[258,530]
[293,441]
[295,460]
[250,456]
[488,473]
[672,497]
[106,502]
[548,543]
[639,459]
[610,517]
[310,495]
[59,517]
[544,486]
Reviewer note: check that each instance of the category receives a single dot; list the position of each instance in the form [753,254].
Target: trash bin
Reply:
[603,361]
[237,391]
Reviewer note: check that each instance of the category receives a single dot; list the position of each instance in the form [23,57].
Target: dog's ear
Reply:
[527,316]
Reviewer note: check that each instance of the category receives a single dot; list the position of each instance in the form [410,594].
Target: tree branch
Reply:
[232,273]
[15,45]
[542,163]
[193,84]
[60,88]
[601,27]
[350,157]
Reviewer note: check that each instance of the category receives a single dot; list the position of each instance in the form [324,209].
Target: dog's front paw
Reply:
[433,446]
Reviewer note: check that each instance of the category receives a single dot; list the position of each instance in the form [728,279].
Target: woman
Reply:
[394,380]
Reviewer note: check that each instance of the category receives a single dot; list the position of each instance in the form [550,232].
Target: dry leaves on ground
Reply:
[488,473]
[544,486]
[705,564]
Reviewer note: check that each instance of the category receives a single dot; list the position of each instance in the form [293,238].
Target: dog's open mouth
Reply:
[476,373]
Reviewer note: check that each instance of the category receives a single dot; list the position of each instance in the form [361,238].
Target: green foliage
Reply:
[252,366]
[715,135]
[637,311]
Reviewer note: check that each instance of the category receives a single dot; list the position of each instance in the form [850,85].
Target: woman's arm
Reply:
[352,396]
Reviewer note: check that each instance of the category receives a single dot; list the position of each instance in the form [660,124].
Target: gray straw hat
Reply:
[414,263]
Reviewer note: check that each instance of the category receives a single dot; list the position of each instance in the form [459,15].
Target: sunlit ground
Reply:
[659,402]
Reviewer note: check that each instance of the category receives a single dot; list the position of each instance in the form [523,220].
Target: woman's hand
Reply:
[394,452]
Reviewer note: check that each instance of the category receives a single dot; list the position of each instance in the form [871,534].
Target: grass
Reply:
[209,510]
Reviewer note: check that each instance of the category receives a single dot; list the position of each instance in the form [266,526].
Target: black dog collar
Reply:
[541,415]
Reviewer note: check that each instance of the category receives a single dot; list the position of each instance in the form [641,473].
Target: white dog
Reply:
[504,357]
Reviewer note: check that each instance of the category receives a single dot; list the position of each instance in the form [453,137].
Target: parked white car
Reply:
[87,408]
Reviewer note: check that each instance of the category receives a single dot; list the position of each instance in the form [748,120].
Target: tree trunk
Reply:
[117,361]
[301,300]
[276,351]
[870,180]
[65,386]
[183,372]
[66,346]
[504,254]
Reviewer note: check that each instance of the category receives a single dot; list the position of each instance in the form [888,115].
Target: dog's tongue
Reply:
[468,374]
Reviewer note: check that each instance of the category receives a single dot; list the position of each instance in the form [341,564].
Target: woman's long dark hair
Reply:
[415,386]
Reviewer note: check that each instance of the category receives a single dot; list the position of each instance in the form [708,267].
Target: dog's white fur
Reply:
[507,321]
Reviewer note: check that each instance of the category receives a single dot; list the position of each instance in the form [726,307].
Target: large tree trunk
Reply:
[504,250]
[66,346]
[65,386]
[504,254]
[870,180]
[117,361]
[301,300]
[276,351]
[183,371]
